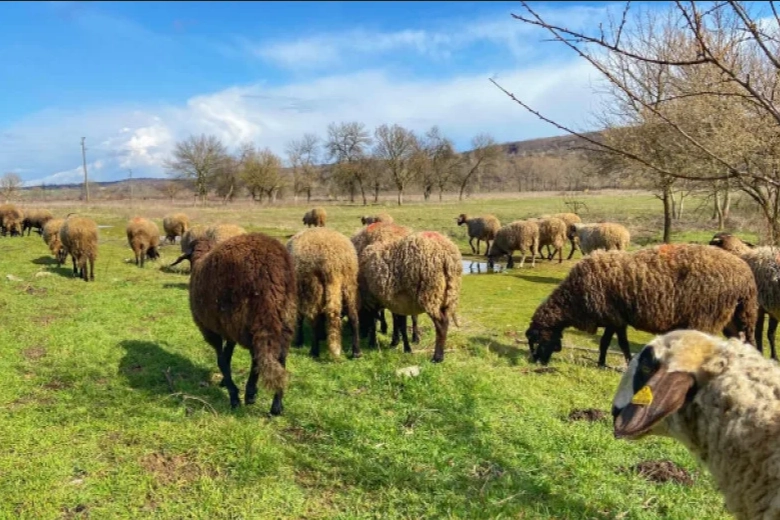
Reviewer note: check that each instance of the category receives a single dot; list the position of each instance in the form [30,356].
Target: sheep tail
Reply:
[272,373]
[451,288]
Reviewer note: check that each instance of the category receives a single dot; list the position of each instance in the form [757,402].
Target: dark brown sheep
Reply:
[79,237]
[243,291]
[656,290]
[143,237]
[315,217]
[35,218]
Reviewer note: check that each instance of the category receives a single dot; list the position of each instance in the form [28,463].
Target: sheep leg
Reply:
[477,246]
[250,394]
[560,255]
[277,407]
[771,335]
[510,263]
[92,269]
[400,323]
[319,334]
[299,335]
[441,325]
[471,243]
[75,268]
[487,247]
[573,247]
[354,323]
[382,321]
[396,332]
[622,334]
[415,330]
[760,330]
[606,339]
[224,357]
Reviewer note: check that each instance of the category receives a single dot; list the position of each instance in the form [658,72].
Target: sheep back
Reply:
[143,237]
[36,218]
[79,237]
[606,235]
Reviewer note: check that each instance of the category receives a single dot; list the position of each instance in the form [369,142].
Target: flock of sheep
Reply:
[721,398]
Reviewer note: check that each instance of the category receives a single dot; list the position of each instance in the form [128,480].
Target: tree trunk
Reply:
[680,207]
[363,194]
[308,195]
[673,203]
[667,214]
[400,196]
[376,192]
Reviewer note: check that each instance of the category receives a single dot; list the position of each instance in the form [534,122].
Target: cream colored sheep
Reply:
[605,235]
[522,235]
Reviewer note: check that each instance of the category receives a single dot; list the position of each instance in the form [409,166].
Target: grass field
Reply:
[110,406]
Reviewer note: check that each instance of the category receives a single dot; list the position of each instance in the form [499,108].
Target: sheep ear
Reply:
[664,394]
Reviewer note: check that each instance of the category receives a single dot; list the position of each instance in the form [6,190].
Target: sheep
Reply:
[719,398]
[520,235]
[315,217]
[552,233]
[190,236]
[382,217]
[569,219]
[79,237]
[481,228]
[175,225]
[419,273]
[605,235]
[326,268]
[765,264]
[655,290]
[214,234]
[11,219]
[143,237]
[369,309]
[243,290]
[35,218]
[51,236]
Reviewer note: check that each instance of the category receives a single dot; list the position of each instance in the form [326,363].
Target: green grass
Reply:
[109,406]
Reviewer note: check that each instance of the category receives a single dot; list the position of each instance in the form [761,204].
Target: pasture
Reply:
[110,408]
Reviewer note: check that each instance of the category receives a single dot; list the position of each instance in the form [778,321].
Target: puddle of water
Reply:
[474,267]
[103,227]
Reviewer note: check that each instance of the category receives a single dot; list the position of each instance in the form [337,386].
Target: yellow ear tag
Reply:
[643,397]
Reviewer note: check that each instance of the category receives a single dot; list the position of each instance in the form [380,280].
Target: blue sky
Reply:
[135,77]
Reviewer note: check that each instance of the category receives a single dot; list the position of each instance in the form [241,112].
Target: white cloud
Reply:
[72,176]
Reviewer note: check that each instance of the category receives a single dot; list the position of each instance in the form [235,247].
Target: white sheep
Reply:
[721,399]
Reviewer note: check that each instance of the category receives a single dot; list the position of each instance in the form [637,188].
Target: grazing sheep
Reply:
[35,218]
[315,217]
[418,273]
[79,237]
[481,228]
[522,235]
[719,398]
[569,219]
[765,264]
[190,236]
[11,220]
[51,235]
[175,225]
[326,268]
[243,291]
[370,310]
[605,235]
[143,237]
[552,233]
[655,290]
[382,217]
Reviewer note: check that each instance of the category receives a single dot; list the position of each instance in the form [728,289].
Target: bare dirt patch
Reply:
[168,469]
[33,353]
[587,414]
[661,471]
[56,385]
[539,370]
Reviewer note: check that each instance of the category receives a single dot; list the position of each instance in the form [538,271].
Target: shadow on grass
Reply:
[183,286]
[494,477]
[537,279]
[150,368]
[511,352]
[65,270]
[44,260]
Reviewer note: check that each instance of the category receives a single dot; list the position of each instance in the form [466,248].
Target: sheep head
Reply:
[571,231]
[730,243]
[152,253]
[543,341]
[198,249]
[62,255]
[662,379]
[462,218]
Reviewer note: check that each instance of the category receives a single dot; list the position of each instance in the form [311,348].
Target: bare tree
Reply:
[200,159]
[395,146]
[484,154]
[718,111]
[303,155]
[10,183]
[443,160]
[171,189]
[347,143]
[227,181]
[261,172]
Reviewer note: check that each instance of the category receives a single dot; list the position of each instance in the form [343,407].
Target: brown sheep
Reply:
[418,273]
[143,237]
[569,219]
[175,225]
[243,291]
[79,237]
[35,218]
[654,290]
[381,217]
[369,308]
[552,233]
[51,235]
[522,235]
[315,217]
[481,228]
[326,268]
[11,220]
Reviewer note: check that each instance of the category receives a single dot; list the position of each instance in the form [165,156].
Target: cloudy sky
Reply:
[133,78]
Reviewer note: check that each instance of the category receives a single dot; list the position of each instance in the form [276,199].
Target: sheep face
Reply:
[659,382]
[152,253]
[542,342]
[461,219]
[62,255]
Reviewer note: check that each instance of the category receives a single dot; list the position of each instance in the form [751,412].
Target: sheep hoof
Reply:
[222,383]
[437,359]
[250,399]
[357,355]
[235,403]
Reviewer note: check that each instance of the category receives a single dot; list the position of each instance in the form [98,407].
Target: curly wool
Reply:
[326,268]
[315,217]
[79,237]
[481,228]
[143,237]
[521,235]
[552,233]
[175,225]
[607,235]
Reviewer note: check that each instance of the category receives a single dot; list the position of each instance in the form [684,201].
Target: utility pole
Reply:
[131,185]
[84,159]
